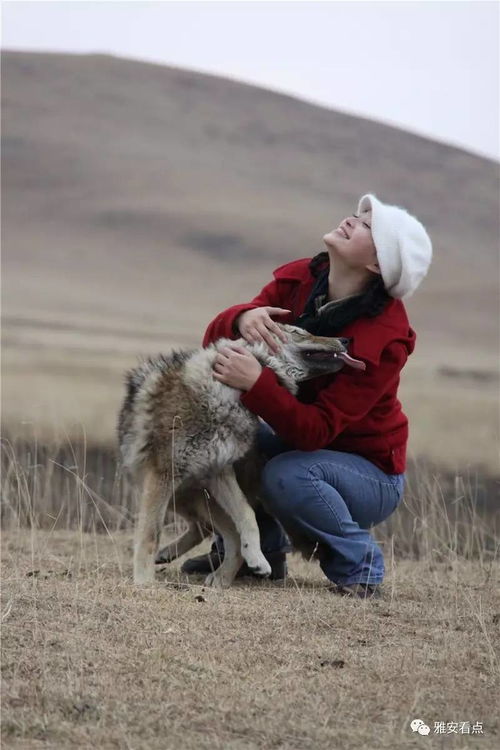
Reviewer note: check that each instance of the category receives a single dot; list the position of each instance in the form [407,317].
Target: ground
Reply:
[90,660]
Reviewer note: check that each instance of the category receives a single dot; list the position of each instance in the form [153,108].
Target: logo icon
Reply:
[417,725]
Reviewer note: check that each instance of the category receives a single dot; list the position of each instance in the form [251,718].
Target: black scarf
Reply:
[323,318]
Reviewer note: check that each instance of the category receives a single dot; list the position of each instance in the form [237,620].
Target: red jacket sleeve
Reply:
[222,326]
[351,395]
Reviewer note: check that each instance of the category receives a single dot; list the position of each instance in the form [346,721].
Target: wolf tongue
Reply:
[356,363]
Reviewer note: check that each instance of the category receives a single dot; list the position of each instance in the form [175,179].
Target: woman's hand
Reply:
[236,367]
[257,325]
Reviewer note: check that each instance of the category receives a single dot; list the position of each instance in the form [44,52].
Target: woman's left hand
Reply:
[237,367]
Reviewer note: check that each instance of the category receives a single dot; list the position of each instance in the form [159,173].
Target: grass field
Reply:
[89,660]
[92,661]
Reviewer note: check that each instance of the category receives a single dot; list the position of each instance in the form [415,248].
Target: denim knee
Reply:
[277,481]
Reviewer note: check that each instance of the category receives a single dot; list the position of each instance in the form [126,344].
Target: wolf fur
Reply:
[181,434]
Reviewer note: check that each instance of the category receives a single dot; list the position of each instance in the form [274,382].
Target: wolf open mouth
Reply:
[357,364]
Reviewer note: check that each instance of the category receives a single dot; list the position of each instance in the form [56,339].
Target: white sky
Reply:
[429,67]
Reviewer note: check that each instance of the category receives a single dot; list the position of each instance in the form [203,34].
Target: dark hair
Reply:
[371,303]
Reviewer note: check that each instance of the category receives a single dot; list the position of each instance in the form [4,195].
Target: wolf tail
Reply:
[133,420]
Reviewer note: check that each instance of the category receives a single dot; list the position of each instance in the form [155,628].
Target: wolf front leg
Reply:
[152,507]
[227,493]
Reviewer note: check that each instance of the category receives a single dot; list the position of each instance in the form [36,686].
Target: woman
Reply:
[337,451]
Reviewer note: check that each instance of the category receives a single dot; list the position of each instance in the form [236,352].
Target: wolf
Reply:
[181,434]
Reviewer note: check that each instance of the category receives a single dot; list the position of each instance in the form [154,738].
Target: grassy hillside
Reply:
[140,200]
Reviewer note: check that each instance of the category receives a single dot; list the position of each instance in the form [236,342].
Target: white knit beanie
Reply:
[404,250]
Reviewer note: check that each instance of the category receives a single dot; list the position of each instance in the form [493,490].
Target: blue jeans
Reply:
[329,498]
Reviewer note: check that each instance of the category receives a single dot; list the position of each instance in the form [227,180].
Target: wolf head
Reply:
[305,356]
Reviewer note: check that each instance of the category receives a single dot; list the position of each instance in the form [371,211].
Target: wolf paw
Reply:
[143,577]
[257,564]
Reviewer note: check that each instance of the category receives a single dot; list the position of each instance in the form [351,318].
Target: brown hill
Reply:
[139,200]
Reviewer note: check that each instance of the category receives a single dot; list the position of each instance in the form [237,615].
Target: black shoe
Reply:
[359,590]
[203,563]
[206,564]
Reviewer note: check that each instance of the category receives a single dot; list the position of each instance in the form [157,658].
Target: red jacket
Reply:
[356,411]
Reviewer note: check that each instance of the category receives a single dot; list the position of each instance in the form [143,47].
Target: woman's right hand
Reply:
[257,325]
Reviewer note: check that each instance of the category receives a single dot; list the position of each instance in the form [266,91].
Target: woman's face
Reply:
[353,242]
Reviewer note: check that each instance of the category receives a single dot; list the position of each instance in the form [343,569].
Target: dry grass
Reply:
[74,485]
[90,660]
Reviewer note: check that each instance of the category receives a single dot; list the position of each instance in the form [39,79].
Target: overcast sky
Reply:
[429,67]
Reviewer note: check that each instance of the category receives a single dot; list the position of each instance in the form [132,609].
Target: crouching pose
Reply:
[182,431]
[336,449]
